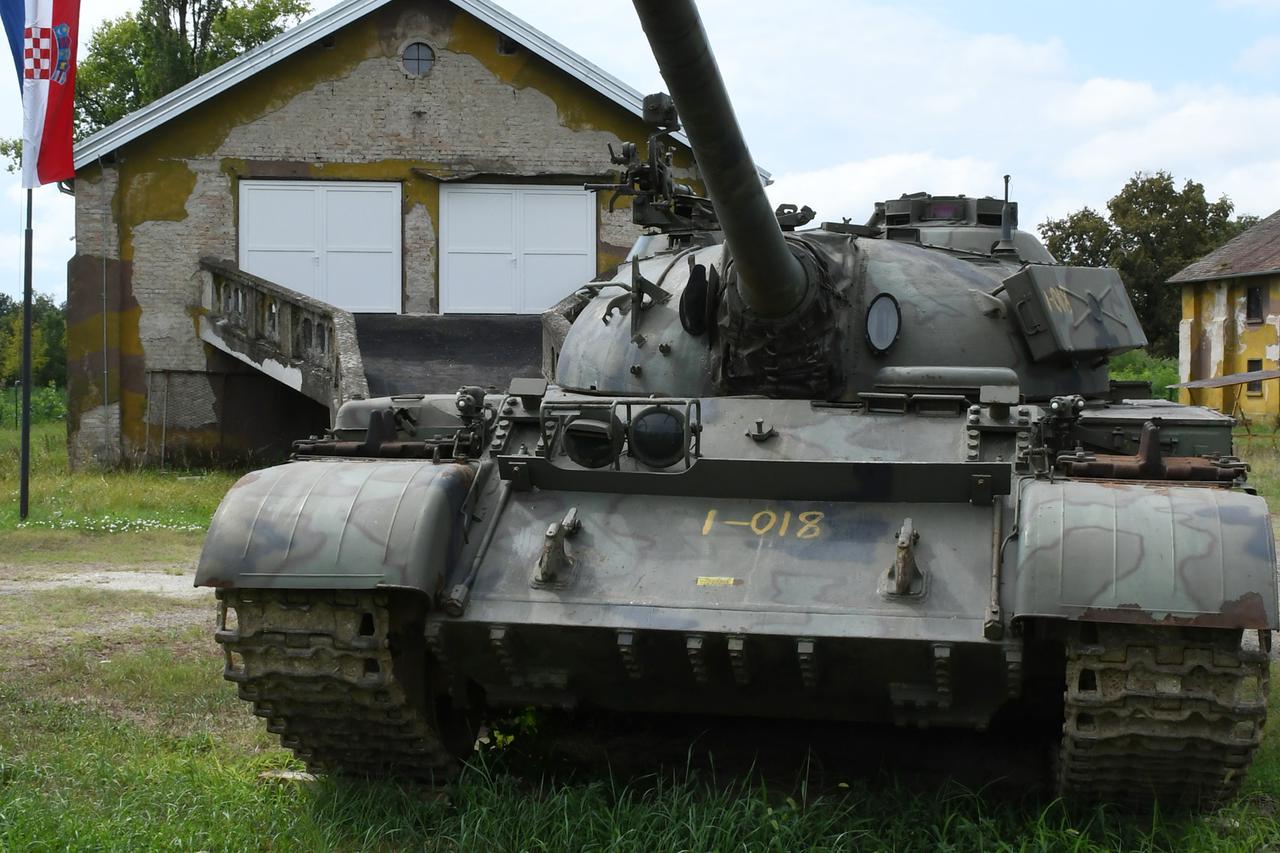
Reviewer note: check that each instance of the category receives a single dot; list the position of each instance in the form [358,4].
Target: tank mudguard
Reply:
[1144,554]
[339,525]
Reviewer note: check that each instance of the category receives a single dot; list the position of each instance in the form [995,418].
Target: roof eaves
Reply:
[217,81]
[1222,276]
[220,79]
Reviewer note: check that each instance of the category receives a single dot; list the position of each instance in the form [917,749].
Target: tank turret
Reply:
[935,294]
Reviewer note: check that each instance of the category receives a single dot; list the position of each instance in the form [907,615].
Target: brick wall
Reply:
[344,110]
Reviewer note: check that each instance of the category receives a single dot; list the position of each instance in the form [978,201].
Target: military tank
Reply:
[849,472]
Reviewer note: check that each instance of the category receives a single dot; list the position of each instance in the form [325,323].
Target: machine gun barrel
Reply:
[771,281]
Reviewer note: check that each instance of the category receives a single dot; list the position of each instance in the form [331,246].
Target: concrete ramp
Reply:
[434,354]
[332,356]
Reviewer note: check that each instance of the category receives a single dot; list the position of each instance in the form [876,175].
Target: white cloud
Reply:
[852,189]
[1103,101]
[854,102]
[1261,57]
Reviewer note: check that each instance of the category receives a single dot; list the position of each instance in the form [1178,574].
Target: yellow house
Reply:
[1231,323]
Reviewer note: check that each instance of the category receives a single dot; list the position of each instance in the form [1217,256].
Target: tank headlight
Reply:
[657,437]
[884,323]
[593,442]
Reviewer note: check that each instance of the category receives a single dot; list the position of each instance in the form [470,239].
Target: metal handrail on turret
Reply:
[771,281]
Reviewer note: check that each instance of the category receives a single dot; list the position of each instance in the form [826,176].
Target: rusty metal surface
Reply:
[1145,554]
[338,525]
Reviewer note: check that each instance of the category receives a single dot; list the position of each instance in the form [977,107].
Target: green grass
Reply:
[124,747]
[91,501]
[129,739]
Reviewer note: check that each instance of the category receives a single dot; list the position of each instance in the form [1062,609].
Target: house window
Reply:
[1252,365]
[1253,304]
[418,58]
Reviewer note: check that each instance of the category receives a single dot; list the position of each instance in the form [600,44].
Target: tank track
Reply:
[1162,715]
[338,676]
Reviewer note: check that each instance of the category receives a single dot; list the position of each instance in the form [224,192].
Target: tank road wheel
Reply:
[338,675]
[1173,715]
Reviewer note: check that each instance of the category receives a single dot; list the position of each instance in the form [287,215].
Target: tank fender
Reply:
[339,525]
[1144,554]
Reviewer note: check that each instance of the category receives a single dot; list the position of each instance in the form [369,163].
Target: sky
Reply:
[848,102]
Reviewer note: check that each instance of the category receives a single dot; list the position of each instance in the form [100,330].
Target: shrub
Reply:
[1142,366]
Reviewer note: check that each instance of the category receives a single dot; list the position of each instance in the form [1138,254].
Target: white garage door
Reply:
[514,249]
[337,241]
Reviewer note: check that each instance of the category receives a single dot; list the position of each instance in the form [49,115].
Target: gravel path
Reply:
[159,583]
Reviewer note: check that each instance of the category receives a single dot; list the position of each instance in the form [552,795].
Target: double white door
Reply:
[338,241]
[514,249]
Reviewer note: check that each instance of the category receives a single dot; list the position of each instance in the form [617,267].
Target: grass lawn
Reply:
[117,731]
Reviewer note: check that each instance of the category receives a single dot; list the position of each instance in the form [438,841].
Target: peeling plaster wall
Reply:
[342,110]
[1216,338]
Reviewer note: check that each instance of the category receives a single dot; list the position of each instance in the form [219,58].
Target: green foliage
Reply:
[1139,365]
[48,341]
[48,405]
[109,80]
[135,59]
[242,26]
[1151,231]
[11,351]
[11,153]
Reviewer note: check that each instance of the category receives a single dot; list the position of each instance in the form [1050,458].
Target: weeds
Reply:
[97,502]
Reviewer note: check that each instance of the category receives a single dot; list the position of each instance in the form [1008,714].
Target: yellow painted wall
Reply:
[1218,339]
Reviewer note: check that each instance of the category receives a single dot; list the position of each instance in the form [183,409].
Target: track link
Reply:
[1162,715]
[337,675]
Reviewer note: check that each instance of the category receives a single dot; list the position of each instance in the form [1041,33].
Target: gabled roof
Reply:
[1255,252]
[318,26]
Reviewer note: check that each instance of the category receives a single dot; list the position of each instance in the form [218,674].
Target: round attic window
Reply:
[418,58]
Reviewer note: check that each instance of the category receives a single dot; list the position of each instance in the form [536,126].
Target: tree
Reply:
[48,340]
[109,80]
[11,353]
[134,59]
[1152,230]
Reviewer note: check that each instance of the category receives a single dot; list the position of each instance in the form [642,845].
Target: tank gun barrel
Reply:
[771,281]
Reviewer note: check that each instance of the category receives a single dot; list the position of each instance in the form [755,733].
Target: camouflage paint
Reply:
[343,524]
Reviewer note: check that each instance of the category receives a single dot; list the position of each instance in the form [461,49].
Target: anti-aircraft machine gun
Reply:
[852,473]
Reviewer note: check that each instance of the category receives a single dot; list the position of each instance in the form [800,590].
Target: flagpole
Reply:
[25,464]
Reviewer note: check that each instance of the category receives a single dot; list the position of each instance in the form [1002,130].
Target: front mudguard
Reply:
[1144,554]
[339,525]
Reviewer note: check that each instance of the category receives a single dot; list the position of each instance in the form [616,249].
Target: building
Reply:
[1231,322]
[416,157]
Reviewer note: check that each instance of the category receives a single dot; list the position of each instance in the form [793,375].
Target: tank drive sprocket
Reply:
[338,675]
[1168,714]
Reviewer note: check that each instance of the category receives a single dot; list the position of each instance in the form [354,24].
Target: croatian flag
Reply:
[42,36]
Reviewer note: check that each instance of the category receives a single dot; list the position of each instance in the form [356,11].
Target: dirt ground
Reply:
[72,588]
[157,582]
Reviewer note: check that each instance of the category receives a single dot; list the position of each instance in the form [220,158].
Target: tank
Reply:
[868,473]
